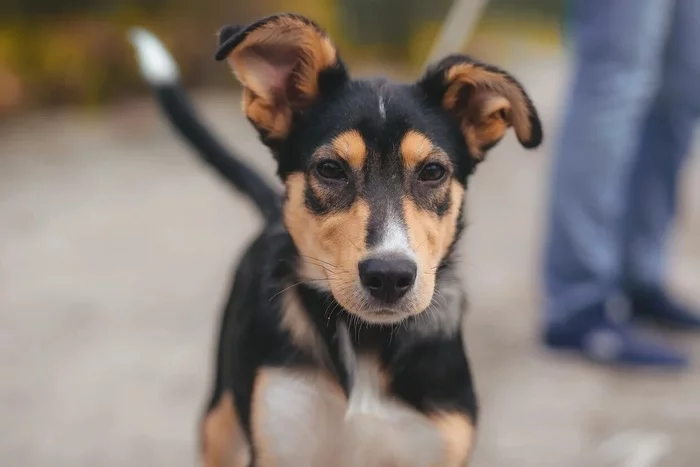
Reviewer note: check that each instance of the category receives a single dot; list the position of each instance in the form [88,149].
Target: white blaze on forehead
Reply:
[382,108]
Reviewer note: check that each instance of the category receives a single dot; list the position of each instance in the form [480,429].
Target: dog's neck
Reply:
[342,336]
[318,323]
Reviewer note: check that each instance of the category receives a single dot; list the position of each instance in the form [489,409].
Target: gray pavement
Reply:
[115,253]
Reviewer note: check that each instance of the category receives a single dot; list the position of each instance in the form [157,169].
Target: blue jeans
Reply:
[625,136]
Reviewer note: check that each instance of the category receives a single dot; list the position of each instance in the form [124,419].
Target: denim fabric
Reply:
[629,121]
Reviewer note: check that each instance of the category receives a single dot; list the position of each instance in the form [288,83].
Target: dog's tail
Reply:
[160,71]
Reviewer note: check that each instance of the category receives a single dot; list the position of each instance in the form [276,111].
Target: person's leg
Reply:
[618,50]
[665,141]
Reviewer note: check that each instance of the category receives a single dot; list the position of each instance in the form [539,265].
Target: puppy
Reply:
[341,343]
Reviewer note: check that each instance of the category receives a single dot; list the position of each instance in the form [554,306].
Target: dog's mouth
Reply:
[361,304]
[384,316]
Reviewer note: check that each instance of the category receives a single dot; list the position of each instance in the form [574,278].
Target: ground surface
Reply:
[115,251]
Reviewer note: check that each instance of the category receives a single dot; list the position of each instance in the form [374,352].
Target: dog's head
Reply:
[375,172]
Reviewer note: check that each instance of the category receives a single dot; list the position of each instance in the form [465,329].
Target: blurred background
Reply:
[58,52]
[116,245]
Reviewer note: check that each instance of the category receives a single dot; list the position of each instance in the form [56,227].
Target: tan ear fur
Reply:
[278,63]
[487,102]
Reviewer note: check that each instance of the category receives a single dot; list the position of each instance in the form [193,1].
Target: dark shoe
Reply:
[592,334]
[657,306]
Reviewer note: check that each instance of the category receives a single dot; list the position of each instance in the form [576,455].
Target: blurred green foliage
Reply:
[75,51]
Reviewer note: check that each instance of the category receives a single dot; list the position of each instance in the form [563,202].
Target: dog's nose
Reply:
[388,279]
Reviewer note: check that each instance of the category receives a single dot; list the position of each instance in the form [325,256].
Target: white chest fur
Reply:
[304,419]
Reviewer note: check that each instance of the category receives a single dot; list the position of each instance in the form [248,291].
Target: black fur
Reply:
[182,116]
[429,371]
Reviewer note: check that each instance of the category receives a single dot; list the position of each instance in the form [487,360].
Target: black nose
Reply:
[388,279]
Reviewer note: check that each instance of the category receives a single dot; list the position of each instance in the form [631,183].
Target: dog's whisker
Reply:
[319,260]
[322,266]
[329,272]
[445,300]
[330,314]
[339,280]
[345,287]
[326,312]
[306,281]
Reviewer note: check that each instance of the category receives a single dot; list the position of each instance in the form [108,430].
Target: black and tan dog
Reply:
[341,343]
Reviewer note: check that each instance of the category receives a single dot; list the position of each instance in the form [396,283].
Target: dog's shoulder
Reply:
[251,328]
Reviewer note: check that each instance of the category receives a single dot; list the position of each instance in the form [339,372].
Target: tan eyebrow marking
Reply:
[416,147]
[351,146]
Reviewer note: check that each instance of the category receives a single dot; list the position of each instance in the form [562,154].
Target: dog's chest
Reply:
[305,419]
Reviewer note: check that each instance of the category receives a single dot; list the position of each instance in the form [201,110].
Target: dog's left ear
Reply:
[285,62]
[485,100]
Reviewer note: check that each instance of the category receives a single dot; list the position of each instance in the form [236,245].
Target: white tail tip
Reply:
[155,62]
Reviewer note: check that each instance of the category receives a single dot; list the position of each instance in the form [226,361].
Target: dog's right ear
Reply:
[284,62]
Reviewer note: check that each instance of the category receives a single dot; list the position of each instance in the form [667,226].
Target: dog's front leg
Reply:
[457,435]
[223,443]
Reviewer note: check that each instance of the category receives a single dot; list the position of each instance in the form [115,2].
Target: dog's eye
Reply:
[432,172]
[330,170]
